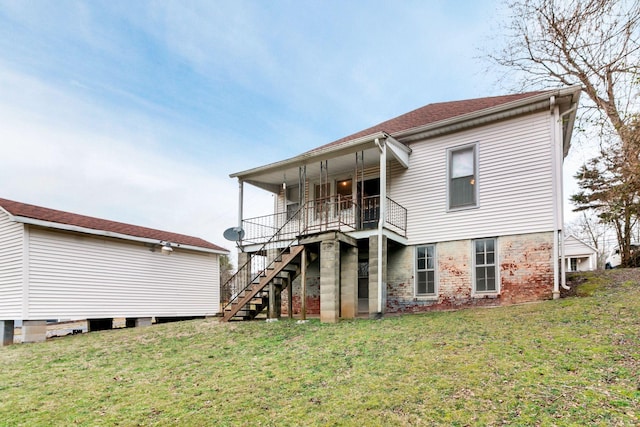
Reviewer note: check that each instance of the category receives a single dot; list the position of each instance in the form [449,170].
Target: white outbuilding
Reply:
[61,265]
[579,255]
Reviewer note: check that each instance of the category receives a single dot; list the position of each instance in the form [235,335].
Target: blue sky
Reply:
[138,111]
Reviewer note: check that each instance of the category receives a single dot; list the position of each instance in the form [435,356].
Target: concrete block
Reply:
[349,282]
[373,276]
[143,321]
[329,281]
[6,331]
[34,331]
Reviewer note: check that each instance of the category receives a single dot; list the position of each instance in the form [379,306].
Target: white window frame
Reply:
[450,151]
[433,295]
[495,266]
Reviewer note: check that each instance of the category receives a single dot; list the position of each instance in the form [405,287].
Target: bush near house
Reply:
[574,361]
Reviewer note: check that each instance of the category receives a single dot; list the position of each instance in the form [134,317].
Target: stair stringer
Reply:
[253,290]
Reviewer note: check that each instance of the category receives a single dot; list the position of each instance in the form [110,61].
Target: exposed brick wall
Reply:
[526,267]
[313,293]
[525,274]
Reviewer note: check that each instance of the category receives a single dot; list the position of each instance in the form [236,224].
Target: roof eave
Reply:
[104,233]
[510,109]
[320,154]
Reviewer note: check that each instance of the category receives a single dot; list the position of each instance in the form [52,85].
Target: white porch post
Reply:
[240,201]
[383,214]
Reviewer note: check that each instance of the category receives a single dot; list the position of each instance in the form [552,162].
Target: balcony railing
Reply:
[328,214]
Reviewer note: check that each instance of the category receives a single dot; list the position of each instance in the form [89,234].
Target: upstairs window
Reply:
[462,183]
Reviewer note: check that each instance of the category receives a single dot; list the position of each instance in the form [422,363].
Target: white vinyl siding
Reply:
[79,276]
[515,191]
[11,249]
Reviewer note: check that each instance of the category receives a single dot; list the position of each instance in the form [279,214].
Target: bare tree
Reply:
[590,229]
[596,44]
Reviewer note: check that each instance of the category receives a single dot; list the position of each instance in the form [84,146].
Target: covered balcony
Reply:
[327,214]
[341,186]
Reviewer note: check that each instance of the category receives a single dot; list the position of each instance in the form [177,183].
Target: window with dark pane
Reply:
[485,268]
[462,177]
[426,276]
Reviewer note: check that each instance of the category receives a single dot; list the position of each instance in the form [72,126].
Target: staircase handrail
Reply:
[263,248]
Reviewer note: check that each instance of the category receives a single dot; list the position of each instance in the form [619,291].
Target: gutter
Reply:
[103,233]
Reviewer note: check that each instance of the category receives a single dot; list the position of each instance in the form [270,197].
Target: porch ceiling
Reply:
[340,160]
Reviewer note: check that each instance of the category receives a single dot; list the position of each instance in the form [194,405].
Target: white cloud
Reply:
[70,158]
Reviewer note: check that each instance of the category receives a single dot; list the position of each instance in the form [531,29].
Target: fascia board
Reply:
[103,233]
[317,155]
[11,217]
[399,151]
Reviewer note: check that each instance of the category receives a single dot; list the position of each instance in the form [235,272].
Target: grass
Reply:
[574,361]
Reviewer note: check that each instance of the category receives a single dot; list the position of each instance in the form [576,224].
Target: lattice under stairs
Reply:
[255,298]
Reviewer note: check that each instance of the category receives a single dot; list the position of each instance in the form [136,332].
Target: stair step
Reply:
[280,273]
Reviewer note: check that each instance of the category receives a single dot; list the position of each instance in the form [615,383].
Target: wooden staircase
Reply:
[254,298]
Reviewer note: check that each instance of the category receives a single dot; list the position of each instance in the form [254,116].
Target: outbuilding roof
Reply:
[38,215]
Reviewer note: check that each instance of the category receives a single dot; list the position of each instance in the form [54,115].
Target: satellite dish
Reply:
[233,234]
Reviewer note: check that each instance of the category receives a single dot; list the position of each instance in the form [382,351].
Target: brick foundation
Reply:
[525,270]
[313,293]
[525,273]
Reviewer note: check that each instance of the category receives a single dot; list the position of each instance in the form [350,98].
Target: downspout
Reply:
[560,118]
[558,205]
[554,173]
[383,214]
[240,207]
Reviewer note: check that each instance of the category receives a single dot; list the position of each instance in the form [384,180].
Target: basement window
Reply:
[425,270]
[485,265]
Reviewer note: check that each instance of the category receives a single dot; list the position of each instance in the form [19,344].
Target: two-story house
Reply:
[454,204]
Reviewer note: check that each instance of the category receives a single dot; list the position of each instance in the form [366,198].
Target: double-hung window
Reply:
[462,180]
[426,273]
[485,265]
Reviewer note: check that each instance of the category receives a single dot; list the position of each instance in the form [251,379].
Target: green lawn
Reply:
[574,361]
